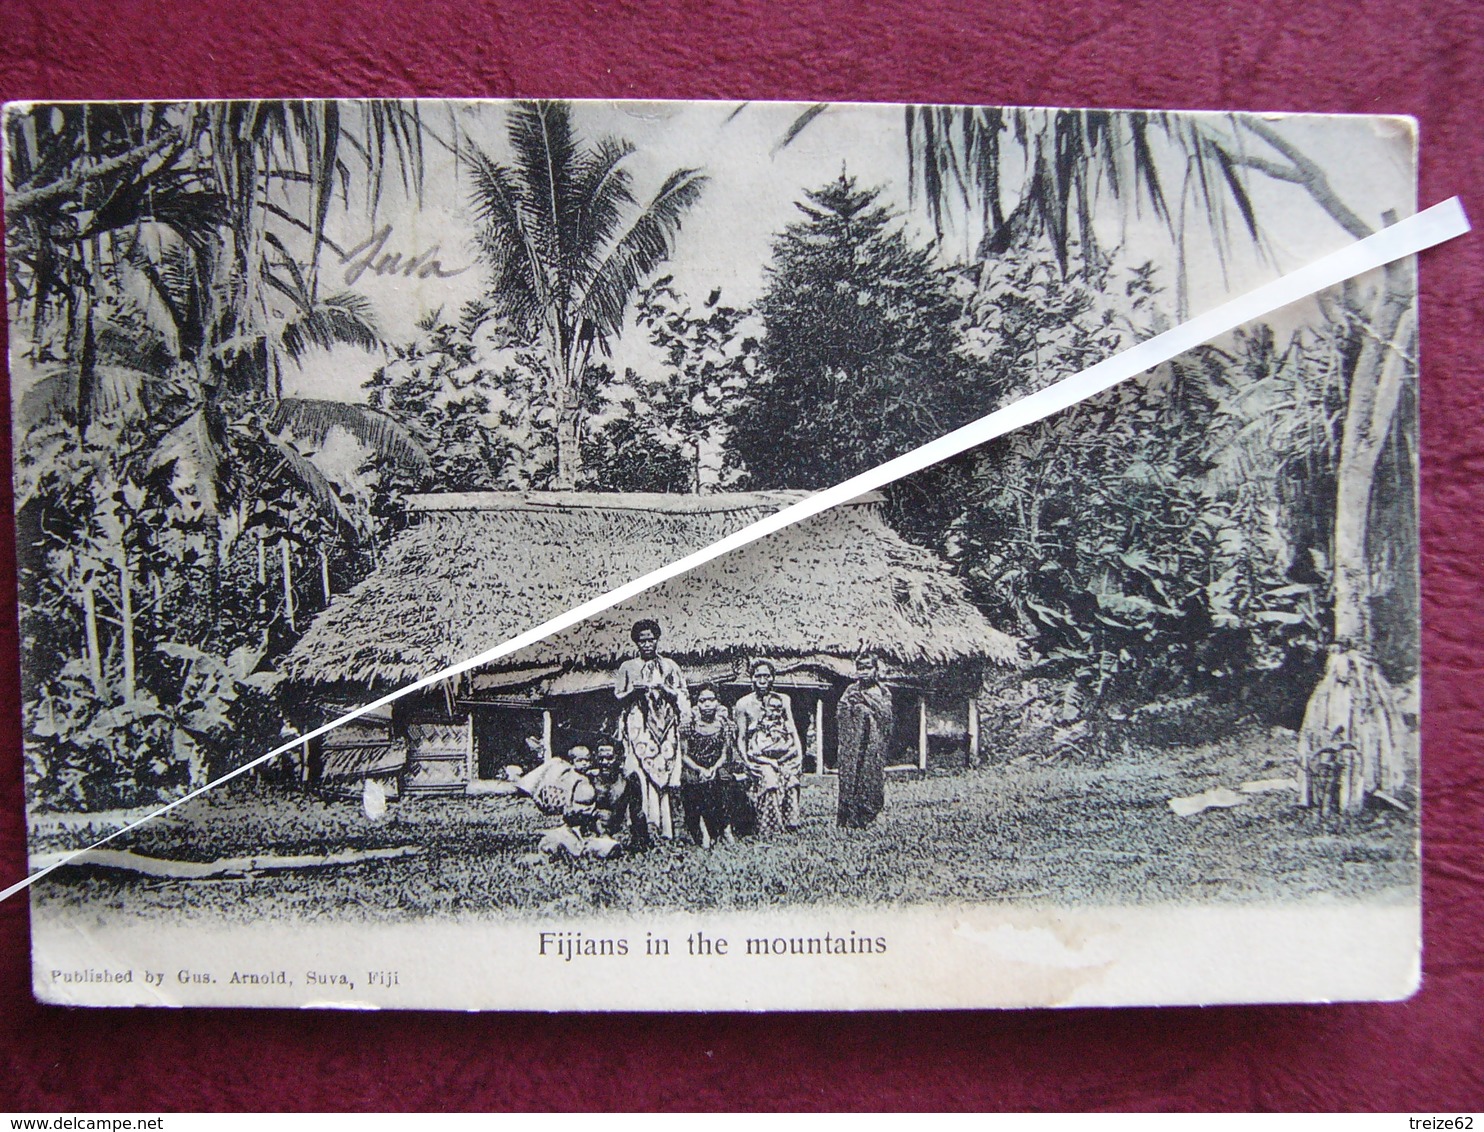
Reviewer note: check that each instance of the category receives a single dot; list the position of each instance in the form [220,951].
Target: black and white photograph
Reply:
[313,401]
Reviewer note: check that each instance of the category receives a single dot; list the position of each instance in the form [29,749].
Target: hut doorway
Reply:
[814,715]
[584,719]
[909,741]
[507,736]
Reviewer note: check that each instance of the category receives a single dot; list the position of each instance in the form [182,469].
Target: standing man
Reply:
[769,745]
[866,722]
[655,705]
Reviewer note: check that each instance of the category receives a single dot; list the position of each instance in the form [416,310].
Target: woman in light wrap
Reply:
[769,744]
[655,706]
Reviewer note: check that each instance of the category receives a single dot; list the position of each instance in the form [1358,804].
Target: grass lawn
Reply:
[1032,831]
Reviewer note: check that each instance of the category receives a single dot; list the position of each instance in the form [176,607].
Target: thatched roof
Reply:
[475,569]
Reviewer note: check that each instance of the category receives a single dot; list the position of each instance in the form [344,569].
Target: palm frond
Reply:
[1146,171]
[312,482]
[322,167]
[312,420]
[648,242]
[519,285]
[1072,158]
[546,151]
[603,193]
[982,154]
[393,131]
[133,347]
[934,148]
[53,394]
[298,288]
[1237,188]
[173,198]
[341,319]
[174,278]
[799,125]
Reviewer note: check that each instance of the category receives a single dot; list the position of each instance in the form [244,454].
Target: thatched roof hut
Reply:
[474,569]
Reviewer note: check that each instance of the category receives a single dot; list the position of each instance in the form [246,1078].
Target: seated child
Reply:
[559,787]
[594,795]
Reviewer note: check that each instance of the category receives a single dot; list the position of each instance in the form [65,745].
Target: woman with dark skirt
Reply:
[707,779]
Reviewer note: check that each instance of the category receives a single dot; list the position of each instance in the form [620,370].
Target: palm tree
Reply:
[85,181]
[275,168]
[568,246]
[149,262]
[959,158]
[181,225]
[1068,160]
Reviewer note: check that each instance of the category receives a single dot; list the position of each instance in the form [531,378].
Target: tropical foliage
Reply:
[965,157]
[862,352]
[163,269]
[1130,541]
[472,401]
[1160,541]
[568,246]
[1165,540]
[1202,532]
[710,360]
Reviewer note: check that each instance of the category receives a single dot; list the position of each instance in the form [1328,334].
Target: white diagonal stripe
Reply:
[1426,229]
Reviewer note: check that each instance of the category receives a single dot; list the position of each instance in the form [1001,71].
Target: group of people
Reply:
[686,762]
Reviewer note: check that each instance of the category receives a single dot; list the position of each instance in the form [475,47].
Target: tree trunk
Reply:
[569,448]
[274,370]
[1353,729]
[126,617]
[85,350]
[324,576]
[90,627]
[288,583]
[1352,721]
[263,586]
[215,622]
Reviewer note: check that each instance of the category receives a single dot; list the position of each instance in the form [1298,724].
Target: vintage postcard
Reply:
[313,400]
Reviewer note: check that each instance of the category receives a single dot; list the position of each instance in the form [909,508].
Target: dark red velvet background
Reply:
[1423,59]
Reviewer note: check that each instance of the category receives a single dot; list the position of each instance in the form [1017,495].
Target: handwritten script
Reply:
[371,255]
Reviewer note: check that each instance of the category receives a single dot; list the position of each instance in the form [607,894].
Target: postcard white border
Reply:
[940,957]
